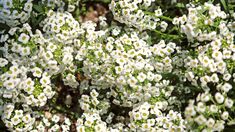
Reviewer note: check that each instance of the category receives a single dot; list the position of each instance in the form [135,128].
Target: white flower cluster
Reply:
[14,13]
[137,13]
[52,123]
[202,23]
[150,118]
[122,78]
[17,119]
[128,66]
[210,112]
[209,66]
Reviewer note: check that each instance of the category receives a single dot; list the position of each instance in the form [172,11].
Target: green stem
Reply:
[161,17]
[167,35]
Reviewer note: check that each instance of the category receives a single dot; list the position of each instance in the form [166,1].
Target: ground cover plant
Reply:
[117,65]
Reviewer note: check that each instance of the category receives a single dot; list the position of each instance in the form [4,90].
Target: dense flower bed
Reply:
[143,69]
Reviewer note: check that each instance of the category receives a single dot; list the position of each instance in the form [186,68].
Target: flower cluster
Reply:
[52,123]
[14,13]
[148,117]
[111,76]
[138,13]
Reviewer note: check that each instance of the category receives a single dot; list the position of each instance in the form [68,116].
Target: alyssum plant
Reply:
[145,70]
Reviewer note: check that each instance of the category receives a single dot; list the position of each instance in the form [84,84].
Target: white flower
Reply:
[190,111]
[214,78]
[45,81]
[205,80]
[80,128]
[228,102]
[163,25]
[132,81]
[100,127]
[200,120]
[42,97]
[201,107]
[137,116]
[19,113]
[175,21]
[205,61]
[37,72]
[24,51]
[3,62]
[26,118]
[118,69]
[158,12]
[217,55]
[94,94]
[219,98]
[7,4]
[144,114]
[15,120]
[29,82]
[210,123]
[55,128]
[88,122]
[227,77]
[121,61]
[51,47]
[225,115]
[28,6]
[189,75]
[55,118]
[24,38]
[9,84]
[213,108]
[226,87]
[141,77]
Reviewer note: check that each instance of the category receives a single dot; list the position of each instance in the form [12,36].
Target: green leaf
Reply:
[224,5]
[38,8]
[180,5]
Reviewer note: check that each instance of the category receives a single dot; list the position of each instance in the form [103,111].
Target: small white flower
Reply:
[26,118]
[28,6]
[227,77]
[219,98]
[42,97]
[217,55]
[200,119]
[228,102]
[45,81]
[15,120]
[37,72]
[141,77]
[213,108]
[201,107]
[9,84]
[226,87]
[210,123]
[214,78]
[24,38]
[158,12]
[24,51]
[132,81]
[144,114]
[94,94]
[80,128]
[3,62]
[55,118]
[225,115]
[137,116]
[19,113]
[88,122]
[7,4]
